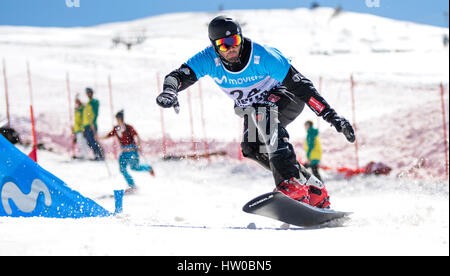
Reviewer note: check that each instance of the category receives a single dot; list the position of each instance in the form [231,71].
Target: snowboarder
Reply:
[266,88]
[130,143]
[313,149]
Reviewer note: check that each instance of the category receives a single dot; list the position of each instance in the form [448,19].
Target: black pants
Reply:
[270,146]
[315,170]
[93,144]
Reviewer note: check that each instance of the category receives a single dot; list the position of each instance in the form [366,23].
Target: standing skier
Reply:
[266,88]
[90,130]
[95,104]
[78,129]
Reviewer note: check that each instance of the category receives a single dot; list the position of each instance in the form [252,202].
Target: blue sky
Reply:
[93,12]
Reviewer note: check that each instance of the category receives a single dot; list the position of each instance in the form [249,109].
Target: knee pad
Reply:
[249,149]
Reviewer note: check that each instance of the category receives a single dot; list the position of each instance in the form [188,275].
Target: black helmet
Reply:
[119,115]
[222,26]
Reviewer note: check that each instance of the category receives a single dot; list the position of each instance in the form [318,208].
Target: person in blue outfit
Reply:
[269,93]
[130,143]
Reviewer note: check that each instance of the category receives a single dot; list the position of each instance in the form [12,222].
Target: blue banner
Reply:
[27,190]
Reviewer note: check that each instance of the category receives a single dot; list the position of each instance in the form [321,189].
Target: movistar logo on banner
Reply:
[27,190]
[24,202]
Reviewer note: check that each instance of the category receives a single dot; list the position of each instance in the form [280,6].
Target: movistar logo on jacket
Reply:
[266,68]
[237,81]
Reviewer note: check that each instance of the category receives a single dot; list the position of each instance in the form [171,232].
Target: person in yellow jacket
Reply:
[88,120]
[78,130]
[313,149]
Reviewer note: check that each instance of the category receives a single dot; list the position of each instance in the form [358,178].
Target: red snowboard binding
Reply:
[294,189]
[318,195]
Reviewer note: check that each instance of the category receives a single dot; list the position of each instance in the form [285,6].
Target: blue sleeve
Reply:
[201,63]
[276,64]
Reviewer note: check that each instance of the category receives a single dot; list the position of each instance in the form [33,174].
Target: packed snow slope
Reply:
[194,208]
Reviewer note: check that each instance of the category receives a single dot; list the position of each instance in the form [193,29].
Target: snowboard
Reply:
[277,205]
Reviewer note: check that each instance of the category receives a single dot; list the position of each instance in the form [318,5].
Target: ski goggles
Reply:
[224,44]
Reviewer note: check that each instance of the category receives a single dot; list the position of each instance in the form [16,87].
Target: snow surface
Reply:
[194,208]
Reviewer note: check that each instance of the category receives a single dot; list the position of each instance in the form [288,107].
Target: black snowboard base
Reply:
[278,206]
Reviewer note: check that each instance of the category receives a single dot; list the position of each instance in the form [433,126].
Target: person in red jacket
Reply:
[130,143]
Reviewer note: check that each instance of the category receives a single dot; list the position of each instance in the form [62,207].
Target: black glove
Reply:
[346,129]
[341,124]
[167,99]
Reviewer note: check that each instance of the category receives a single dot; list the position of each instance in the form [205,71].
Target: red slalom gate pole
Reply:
[6,94]
[205,140]
[69,100]
[33,153]
[444,126]
[354,120]
[161,113]
[112,113]
[191,122]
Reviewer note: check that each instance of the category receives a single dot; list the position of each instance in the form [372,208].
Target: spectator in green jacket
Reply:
[95,104]
[313,149]
[90,128]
